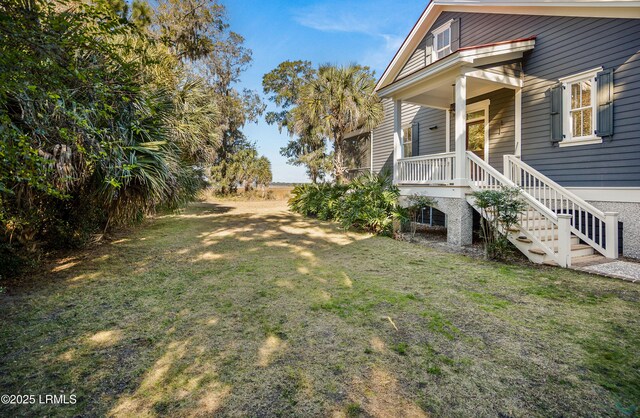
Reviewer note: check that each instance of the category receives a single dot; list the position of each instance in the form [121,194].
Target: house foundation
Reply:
[459,219]
[629,215]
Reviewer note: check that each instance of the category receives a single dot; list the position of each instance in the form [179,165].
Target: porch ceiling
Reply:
[442,96]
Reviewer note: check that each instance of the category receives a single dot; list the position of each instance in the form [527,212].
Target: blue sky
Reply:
[367,32]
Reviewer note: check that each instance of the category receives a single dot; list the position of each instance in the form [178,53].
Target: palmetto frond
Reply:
[337,101]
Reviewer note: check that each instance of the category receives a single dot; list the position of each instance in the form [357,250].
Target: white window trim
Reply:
[569,140]
[434,33]
[482,105]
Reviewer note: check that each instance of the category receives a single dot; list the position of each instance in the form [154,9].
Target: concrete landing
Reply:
[625,270]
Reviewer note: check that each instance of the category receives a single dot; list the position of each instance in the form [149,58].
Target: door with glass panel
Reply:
[476,137]
[476,133]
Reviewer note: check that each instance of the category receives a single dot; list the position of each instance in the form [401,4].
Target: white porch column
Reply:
[518,127]
[447,134]
[461,130]
[397,138]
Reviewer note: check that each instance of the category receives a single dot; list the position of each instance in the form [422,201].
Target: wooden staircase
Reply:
[556,235]
[580,253]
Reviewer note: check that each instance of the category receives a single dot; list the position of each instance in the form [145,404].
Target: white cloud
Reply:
[370,18]
[378,58]
[338,17]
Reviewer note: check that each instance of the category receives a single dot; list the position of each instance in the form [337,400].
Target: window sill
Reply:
[581,141]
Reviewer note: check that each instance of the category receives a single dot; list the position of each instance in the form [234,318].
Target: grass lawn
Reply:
[243,309]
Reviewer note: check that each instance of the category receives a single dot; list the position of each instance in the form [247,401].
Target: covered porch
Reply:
[472,92]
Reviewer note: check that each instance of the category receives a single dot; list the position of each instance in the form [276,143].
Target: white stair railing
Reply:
[597,228]
[427,169]
[544,228]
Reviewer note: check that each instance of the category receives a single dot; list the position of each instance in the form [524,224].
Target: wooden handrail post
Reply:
[506,167]
[564,239]
[611,222]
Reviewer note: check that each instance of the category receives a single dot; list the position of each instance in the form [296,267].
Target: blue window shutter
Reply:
[605,103]
[428,49]
[415,139]
[556,114]
[455,35]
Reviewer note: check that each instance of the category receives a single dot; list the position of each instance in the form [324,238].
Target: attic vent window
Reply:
[442,41]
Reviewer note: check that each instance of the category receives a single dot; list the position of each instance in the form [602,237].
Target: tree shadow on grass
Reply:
[192,312]
[256,311]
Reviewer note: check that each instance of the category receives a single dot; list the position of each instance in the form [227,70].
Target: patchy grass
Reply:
[241,308]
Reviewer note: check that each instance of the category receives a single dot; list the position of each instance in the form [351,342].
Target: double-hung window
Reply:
[442,41]
[407,142]
[581,110]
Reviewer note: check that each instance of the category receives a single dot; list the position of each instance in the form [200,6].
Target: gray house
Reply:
[544,96]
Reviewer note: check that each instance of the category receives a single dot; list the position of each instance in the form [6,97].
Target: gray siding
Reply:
[383,140]
[417,60]
[431,141]
[566,46]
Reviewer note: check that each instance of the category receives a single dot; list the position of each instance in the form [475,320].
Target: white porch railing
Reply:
[593,226]
[427,169]
[548,230]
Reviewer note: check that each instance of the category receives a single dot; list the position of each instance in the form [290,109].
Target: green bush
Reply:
[316,200]
[369,202]
[500,210]
[102,120]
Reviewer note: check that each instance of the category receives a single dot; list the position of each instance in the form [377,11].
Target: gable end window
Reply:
[442,41]
[580,108]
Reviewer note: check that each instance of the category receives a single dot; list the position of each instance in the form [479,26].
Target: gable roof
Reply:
[493,52]
[573,8]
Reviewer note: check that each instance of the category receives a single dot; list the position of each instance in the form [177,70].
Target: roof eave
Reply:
[576,8]
[462,57]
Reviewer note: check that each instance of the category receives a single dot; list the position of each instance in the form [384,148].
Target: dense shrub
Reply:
[109,113]
[369,202]
[317,200]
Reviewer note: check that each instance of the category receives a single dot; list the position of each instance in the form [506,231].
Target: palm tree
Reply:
[339,100]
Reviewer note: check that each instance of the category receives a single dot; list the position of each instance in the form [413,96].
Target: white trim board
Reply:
[433,191]
[608,194]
